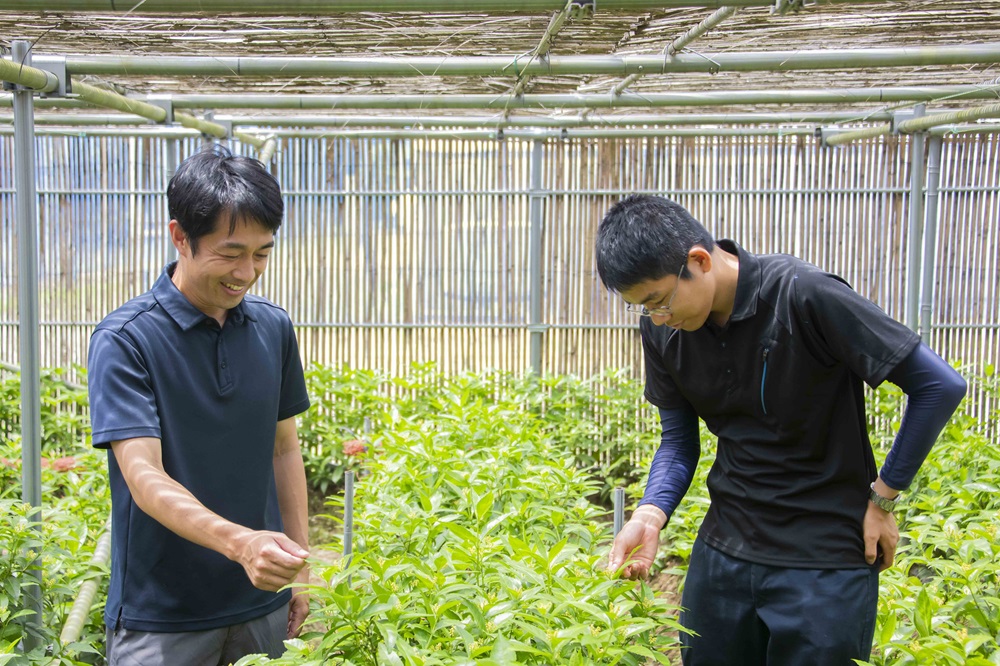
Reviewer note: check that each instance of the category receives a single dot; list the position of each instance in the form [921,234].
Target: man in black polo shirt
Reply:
[194,388]
[771,353]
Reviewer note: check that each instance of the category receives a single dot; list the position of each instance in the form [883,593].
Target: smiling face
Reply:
[217,275]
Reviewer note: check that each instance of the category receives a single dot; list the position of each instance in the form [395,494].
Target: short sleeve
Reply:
[661,390]
[122,401]
[840,325]
[294,395]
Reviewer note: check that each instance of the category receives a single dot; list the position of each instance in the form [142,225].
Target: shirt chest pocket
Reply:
[766,356]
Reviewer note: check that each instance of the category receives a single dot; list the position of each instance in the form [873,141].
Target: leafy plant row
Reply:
[476,544]
[58,543]
[601,422]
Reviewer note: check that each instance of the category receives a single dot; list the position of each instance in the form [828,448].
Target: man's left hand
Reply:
[880,531]
[298,609]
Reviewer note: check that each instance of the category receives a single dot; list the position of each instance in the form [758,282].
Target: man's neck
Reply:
[728,267]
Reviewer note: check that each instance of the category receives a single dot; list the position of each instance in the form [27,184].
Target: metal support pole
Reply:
[915,230]
[930,237]
[27,252]
[170,252]
[348,519]
[619,510]
[535,277]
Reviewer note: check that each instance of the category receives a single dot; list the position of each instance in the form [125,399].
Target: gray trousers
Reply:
[215,647]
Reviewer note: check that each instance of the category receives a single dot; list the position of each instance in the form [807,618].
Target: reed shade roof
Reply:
[841,26]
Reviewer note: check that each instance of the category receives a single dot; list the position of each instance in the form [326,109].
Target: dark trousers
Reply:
[748,614]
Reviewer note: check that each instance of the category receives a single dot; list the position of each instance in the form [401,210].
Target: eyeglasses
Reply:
[663,310]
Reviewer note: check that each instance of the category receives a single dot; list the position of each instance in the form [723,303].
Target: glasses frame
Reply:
[662,311]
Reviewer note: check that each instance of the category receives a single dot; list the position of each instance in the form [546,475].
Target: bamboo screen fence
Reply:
[396,251]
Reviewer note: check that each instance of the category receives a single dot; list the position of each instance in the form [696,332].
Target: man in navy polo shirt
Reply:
[194,388]
[771,353]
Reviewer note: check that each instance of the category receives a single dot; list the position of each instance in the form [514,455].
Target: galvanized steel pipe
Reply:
[322,7]
[24,73]
[965,115]
[491,122]
[914,231]
[603,100]
[920,124]
[930,236]
[28,315]
[520,65]
[535,325]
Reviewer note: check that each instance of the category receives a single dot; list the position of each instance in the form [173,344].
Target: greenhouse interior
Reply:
[479,427]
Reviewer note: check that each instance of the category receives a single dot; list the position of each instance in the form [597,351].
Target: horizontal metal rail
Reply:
[44,81]
[769,191]
[588,100]
[294,7]
[503,102]
[494,121]
[918,124]
[527,65]
[423,326]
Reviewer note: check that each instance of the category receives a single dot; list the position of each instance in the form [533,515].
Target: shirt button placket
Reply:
[225,380]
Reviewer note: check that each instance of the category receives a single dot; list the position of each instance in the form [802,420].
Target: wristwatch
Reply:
[883,503]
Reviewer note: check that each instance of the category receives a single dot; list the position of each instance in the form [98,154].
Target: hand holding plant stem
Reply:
[638,540]
[271,559]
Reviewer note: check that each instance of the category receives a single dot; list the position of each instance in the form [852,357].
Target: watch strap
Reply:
[883,503]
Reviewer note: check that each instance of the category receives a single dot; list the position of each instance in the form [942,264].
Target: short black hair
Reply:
[644,237]
[213,183]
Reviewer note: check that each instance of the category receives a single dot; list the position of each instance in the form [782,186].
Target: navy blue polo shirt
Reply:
[781,385]
[159,367]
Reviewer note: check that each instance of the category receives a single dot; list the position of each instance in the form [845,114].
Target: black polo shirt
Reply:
[159,367]
[781,386]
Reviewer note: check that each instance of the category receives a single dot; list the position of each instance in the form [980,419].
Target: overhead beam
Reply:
[320,7]
[492,121]
[486,133]
[582,101]
[38,80]
[526,64]
[918,124]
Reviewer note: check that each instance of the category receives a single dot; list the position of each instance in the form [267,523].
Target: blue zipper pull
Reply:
[763,378]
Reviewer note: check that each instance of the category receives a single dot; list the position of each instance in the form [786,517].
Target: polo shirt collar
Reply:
[747,284]
[181,309]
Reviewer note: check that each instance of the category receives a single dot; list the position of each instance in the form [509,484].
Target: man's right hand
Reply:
[642,531]
[271,560]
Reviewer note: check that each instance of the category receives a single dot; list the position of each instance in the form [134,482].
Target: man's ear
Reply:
[179,238]
[700,257]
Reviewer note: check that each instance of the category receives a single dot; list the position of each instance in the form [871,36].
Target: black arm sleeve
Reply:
[675,461]
[934,391]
